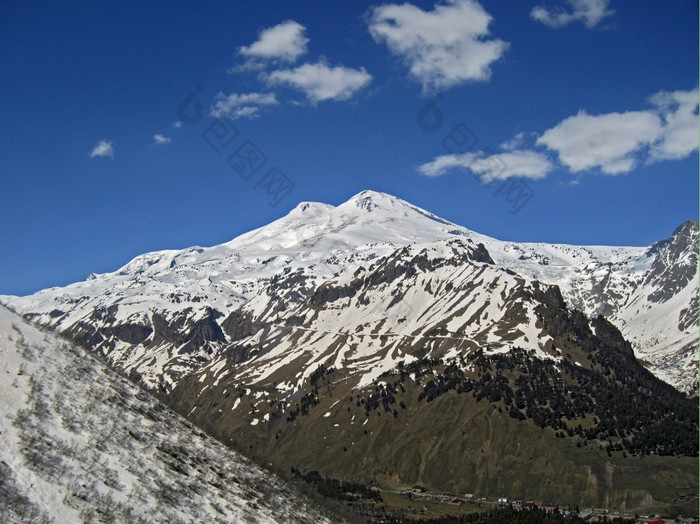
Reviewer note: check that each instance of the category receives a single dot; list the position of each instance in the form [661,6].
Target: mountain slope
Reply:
[651,294]
[660,318]
[157,315]
[80,443]
[374,341]
[444,297]
[160,315]
[434,366]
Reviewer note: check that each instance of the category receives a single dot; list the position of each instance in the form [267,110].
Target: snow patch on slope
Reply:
[80,443]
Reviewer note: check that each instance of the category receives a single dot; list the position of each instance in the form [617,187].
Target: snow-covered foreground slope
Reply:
[78,443]
[161,315]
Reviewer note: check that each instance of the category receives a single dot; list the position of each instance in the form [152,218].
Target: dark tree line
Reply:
[308,401]
[504,515]
[623,406]
[338,489]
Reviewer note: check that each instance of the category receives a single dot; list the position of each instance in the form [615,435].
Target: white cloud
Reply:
[617,142]
[490,167]
[161,139]
[611,142]
[679,112]
[241,105]
[285,42]
[320,82]
[177,125]
[248,65]
[513,143]
[103,148]
[590,12]
[443,47]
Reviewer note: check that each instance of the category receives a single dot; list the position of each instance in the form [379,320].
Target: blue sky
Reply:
[558,121]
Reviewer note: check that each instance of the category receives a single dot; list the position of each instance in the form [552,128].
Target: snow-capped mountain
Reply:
[374,340]
[649,293]
[79,443]
[167,314]
[433,365]
[443,299]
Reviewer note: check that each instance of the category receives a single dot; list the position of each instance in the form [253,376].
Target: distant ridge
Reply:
[649,293]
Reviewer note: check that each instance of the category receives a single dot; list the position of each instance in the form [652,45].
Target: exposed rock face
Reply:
[675,263]
[182,307]
[660,316]
[241,337]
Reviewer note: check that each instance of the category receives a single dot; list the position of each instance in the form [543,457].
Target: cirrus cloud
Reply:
[321,82]
[442,48]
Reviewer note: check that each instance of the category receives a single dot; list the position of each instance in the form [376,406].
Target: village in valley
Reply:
[421,504]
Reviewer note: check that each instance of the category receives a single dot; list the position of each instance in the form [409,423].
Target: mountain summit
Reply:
[375,341]
[649,293]
[368,218]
